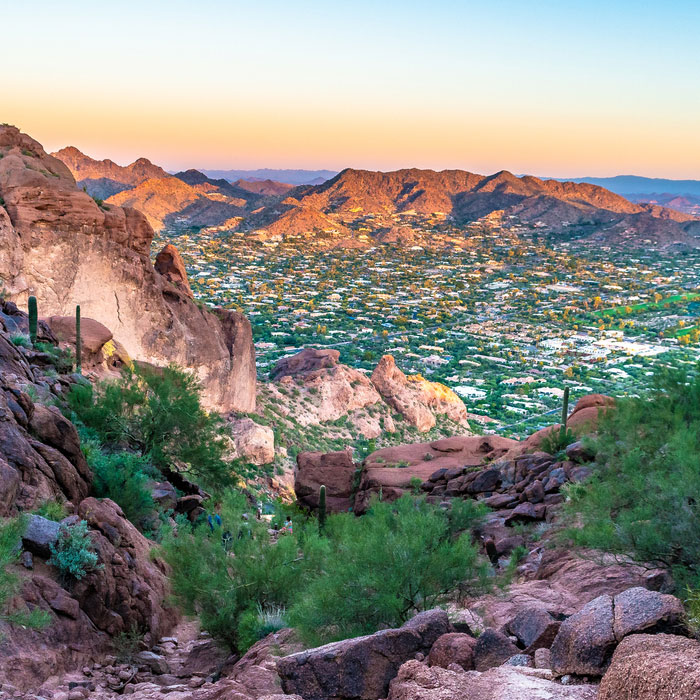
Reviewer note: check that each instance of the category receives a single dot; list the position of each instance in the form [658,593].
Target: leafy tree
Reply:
[228,580]
[156,413]
[643,500]
[399,559]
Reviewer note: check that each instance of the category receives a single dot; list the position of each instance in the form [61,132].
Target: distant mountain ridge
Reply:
[681,195]
[289,176]
[636,184]
[358,205]
[352,195]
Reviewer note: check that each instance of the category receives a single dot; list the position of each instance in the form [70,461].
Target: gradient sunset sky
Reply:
[559,88]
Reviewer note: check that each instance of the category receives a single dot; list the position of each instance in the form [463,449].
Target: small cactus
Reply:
[564,415]
[322,509]
[33,318]
[78,342]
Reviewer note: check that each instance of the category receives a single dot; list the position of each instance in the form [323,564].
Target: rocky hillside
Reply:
[188,198]
[60,245]
[353,195]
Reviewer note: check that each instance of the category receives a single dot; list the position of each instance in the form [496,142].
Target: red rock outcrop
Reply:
[414,397]
[170,264]
[334,470]
[58,244]
[41,460]
[392,469]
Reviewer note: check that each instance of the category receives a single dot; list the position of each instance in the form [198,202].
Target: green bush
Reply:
[156,413]
[643,501]
[20,340]
[255,624]
[10,582]
[361,575]
[397,560]
[222,585]
[52,510]
[73,553]
[123,477]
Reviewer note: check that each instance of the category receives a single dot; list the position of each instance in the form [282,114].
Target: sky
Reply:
[553,88]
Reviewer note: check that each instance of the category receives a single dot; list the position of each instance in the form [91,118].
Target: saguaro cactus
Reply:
[564,415]
[33,318]
[322,509]
[78,342]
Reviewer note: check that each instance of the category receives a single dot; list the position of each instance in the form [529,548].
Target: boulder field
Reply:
[62,246]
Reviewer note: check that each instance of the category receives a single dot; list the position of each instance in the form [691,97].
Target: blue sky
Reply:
[560,88]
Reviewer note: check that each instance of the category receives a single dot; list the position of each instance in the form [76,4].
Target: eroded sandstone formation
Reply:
[60,245]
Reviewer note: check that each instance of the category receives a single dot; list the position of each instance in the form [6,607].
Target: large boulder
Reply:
[39,534]
[534,627]
[653,667]
[586,640]
[360,668]
[334,470]
[492,648]
[93,334]
[253,442]
[170,264]
[453,648]
[640,610]
[129,588]
[416,681]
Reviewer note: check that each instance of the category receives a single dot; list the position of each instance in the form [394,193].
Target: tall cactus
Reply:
[33,318]
[78,342]
[564,416]
[322,509]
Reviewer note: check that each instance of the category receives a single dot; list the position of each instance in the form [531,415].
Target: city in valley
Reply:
[505,316]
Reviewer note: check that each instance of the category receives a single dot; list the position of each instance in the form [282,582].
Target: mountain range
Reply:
[373,200]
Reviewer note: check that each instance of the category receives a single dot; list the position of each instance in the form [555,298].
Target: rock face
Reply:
[169,263]
[40,461]
[417,399]
[58,244]
[304,362]
[586,640]
[334,470]
[415,681]
[327,390]
[255,443]
[361,668]
[653,667]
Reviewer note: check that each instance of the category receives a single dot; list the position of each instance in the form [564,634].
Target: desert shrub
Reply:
[223,584]
[397,560]
[255,624]
[52,510]
[156,413]
[10,582]
[554,442]
[73,553]
[363,574]
[124,477]
[20,340]
[643,500]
